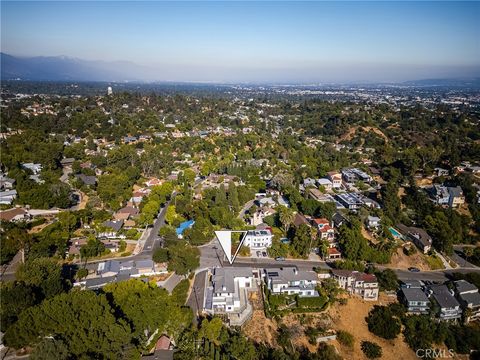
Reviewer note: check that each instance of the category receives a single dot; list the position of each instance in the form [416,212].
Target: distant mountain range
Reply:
[62,68]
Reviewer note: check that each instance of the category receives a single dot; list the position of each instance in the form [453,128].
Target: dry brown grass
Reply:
[401,261]
[351,318]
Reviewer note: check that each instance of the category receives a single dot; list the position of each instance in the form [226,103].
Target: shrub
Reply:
[345,338]
[371,349]
[180,292]
[381,322]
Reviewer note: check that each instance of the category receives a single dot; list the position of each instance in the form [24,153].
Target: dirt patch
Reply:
[351,318]
[260,329]
[351,132]
[38,228]
[401,261]
[463,210]
[368,235]
[84,201]
[423,181]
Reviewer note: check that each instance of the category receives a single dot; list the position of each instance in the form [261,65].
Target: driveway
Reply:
[195,300]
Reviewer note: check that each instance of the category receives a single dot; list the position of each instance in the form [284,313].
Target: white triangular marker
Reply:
[225,239]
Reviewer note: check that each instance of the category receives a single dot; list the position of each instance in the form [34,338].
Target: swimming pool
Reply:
[395,233]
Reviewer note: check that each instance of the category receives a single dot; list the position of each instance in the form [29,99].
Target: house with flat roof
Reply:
[447,306]
[469,298]
[291,281]
[34,168]
[373,222]
[349,200]
[415,300]
[259,239]
[6,183]
[227,293]
[7,197]
[325,183]
[355,282]
[456,197]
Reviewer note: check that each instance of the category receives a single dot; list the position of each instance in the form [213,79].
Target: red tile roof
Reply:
[163,343]
[321,221]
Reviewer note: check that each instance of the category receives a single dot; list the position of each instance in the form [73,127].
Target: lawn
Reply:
[434,262]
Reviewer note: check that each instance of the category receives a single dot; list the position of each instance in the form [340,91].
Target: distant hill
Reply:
[473,82]
[61,68]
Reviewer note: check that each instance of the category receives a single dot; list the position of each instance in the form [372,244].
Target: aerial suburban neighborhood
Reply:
[240,180]
[314,236]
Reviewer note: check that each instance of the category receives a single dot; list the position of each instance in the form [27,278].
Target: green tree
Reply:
[387,279]
[160,255]
[371,350]
[302,240]
[211,330]
[382,322]
[43,273]
[15,298]
[49,349]
[81,319]
[286,217]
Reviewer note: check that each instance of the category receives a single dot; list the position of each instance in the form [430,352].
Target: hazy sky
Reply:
[255,41]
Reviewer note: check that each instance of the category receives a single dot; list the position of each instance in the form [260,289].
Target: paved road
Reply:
[172,281]
[195,300]
[459,257]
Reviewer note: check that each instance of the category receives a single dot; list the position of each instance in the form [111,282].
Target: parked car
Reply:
[413,269]
[280,258]
[258,253]
[264,254]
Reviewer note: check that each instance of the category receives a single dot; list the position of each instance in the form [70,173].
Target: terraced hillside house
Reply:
[359,283]
[291,281]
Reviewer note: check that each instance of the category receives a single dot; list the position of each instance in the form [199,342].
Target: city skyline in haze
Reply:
[297,42]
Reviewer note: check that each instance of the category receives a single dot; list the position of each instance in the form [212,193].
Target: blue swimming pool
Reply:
[395,233]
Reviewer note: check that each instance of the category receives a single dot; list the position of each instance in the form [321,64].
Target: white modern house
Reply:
[227,293]
[291,281]
[258,239]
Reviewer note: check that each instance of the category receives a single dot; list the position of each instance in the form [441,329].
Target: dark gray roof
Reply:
[455,191]
[416,234]
[86,179]
[159,355]
[472,299]
[223,279]
[98,282]
[288,274]
[338,219]
[464,286]
[414,294]
[116,225]
[443,296]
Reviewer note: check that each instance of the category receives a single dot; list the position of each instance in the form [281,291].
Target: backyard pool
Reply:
[395,233]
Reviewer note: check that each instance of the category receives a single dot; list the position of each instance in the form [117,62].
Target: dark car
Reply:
[264,254]
[413,269]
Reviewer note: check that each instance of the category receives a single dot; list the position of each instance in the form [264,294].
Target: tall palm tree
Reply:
[286,217]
